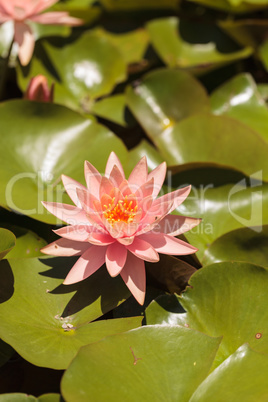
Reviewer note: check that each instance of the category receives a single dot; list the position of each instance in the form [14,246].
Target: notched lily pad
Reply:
[7,242]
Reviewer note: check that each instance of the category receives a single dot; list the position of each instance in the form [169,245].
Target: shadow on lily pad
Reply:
[6,282]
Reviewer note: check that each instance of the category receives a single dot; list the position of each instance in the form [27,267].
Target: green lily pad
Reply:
[19,397]
[164,97]
[225,5]
[131,5]
[111,108]
[132,45]
[227,299]
[28,243]
[47,322]
[150,363]
[239,98]
[210,140]
[224,209]
[175,52]
[83,70]
[82,9]
[7,242]
[53,140]
[245,244]
[242,377]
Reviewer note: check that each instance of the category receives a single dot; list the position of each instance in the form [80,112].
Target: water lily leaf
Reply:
[80,9]
[226,299]
[111,108]
[239,98]
[19,397]
[48,327]
[131,5]
[132,45]
[211,140]
[164,97]
[246,32]
[53,140]
[88,68]
[7,242]
[245,244]
[175,52]
[224,209]
[28,243]
[226,5]
[242,377]
[144,354]
[83,70]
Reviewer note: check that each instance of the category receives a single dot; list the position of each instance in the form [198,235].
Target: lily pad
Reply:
[224,209]
[226,299]
[164,97]
[53,140]
[175,52]
[111,108]
[47,322]
[239,98]
[167,363]
[245,244]
[7,242]
[226,5]
[19,397]
[144,148]
[83,70]
[134,5]
[28,243]
[211,140]
[242,377]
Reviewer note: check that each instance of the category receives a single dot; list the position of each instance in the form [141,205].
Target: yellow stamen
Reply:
[120,212]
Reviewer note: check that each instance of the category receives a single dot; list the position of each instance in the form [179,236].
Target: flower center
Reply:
[123,211]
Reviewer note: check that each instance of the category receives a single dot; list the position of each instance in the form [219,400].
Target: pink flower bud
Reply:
[38,90]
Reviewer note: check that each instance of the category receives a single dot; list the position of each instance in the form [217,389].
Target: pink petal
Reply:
[176,197]
[93,179]
[67,213]
[75,232]
[70,187]
[158,174]
[133,274]
[142,249]
[4,18]
[56,18]
[176,224]
[153,217]
[106,186]
[145,190]
[64,247]
[116,177]
[100,239]
[25,39]
[139,174]
[40,5]
[116,256]
[166,244]
[113,161]
[86,199]
[87,264]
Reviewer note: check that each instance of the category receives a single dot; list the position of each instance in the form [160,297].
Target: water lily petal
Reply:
[176,224]
[139,174]
[67,213]
[145,189]
[158,174]
[93,179]
[113,160]
[144,250]
[116,256]
[106,186]
[175,198]
[75,232]
[87,264]
[167,244]
[133,274]
[100,239]
[65,247]
[56,18]
[116,177]
[25,39]
[70,186]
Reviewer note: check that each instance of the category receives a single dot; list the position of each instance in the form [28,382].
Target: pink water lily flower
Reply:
[39,90]
[22,11]
[119,222]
